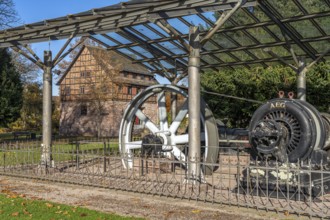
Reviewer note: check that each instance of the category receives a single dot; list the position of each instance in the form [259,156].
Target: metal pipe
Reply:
[194,170]
[46,145]
[234,141]
[301,81]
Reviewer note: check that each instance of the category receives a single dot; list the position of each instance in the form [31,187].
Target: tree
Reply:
[31,112]
[261,84]
[8,15]
[11,89]
[29,71]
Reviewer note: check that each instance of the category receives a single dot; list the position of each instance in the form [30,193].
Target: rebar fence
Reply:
[236,179]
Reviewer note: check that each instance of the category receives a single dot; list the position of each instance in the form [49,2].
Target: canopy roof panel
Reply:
[261,32]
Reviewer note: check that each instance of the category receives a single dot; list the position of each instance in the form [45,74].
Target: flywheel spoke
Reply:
[133,145]
[184,138]
[181,139]
[179,118]
[178,154]
[161,99]
[148,123]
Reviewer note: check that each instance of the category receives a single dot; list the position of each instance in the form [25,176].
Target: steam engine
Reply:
[289,130]
[285,134]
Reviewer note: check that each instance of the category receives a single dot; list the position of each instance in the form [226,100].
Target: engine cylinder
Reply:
[289,130]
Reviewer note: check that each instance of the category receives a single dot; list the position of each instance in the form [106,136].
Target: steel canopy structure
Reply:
[140,30]
[161,36]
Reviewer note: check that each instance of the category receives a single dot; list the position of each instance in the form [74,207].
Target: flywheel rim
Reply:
[127,145]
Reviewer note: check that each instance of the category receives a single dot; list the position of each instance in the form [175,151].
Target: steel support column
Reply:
[46,145]
[301,81]
[194,170]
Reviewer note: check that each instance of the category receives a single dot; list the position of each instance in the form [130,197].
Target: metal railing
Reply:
[301,188]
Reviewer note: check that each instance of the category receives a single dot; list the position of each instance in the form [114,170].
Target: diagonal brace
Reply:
[32,52]
[39,63]
[163,24]
[318,59]
[223,18]
[270,52]
[64,47]
[69,51]
[294,56]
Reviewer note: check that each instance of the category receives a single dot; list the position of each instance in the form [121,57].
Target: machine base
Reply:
[287,181]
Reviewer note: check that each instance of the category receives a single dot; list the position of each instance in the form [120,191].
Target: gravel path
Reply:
[128,204]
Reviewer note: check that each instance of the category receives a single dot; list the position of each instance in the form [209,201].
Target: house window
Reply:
[83,110]
[125,74]
[142,77]
[67,91]
[129,90]
[134,90]
[134,76]
[82,90]
[85,73]
[120,89]
[104,88]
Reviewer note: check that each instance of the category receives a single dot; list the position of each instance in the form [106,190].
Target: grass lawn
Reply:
[30,152]
[15,206]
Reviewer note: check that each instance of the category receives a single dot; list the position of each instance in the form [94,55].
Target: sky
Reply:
[38,10]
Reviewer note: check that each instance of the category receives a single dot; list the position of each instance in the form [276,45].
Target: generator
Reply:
[290,145]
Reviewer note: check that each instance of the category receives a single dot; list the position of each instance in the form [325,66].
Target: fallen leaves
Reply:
[35,198]
[49,205]
[22,195]
[196,211]
[20,206]
[15,214]
[26,212]
[10,194]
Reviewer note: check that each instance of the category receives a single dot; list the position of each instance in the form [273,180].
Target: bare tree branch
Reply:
[8,14]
